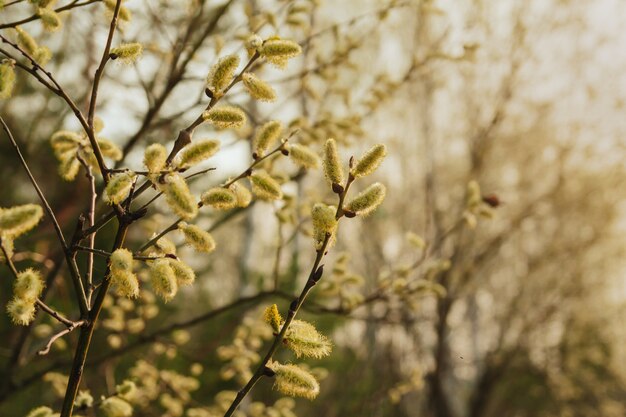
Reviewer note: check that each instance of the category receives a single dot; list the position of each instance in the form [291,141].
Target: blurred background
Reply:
[437,305]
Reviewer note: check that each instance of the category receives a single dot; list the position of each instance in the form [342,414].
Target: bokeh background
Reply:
[514,309]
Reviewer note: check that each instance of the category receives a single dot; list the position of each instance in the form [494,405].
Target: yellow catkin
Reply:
[220,198]
[257,88]
[119,187]
[183,272]
[41,412]
[154,157]
[266,136]
[196,237]
[18,220]
[179,198]
[304,156]
[126,283]
[294,381]
[50,19]
[26,42]
[116,407]
[121,260]
[222,73]
[7,78]
[324,222]
[331,162]
[127,52]
[21,312]
[304,340]
[242,194]
[264,186]
[279,51]
[272,317]
[69,167]
[28,285]
[109,149]
[163,279]
[64,140]
[225,117]
[368,200]
[370,161]
[197,152]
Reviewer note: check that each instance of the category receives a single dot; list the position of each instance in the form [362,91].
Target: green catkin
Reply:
[50,19]
[304,156]
[264,186]
[116,407]
[18,220]
[110,149]
[183,272]
[220,198]
[21,312]
[266,136]
[324,221]
[179,198]
[119,187]
[225,117]
[242,194]
[154,157]
[42,55]
[257,88]
[123,14]
[197,152]
[41,412]
[7,78]
[331,163]
[370,161]
[127,52]
[222,73]
[163,279]
[294,381]
[368,200]
[272,317]
[28,285]
[199,239]
[304,340]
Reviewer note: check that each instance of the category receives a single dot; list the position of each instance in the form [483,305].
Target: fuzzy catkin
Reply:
[222,73]
[294,381]
[368,200]
[331,163]
[220,198]
[154,157]
[257,88]
[183,272]
[178,196]
[116,407]
[127,52]
[7,78]
[225,117]
[163,279]
[15,221]
[264,186]
[370,161]
[197,152]
[304,156]
[119,187]
[266,136]
[242,194]
[196,237]
[28,285]
[21,311]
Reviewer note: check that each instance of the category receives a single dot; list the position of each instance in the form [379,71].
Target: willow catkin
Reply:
[163,279]
[266,136]
[17,220]
[221,74]
[7,78]
[225,117]
[219,198]
[370,161]
[264,186]
[178,196]
[127,52]
[154,157]
[367,201]
[331,163]
[304,156]
[257,88]
[198,151]
[294,381]
[119,187]
[196,237]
